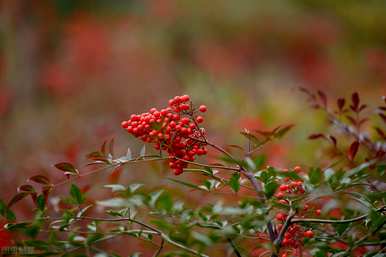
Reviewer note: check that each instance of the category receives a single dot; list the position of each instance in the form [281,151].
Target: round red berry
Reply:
[200,119]
[297,169]
[283,187]
[203,108]
[308,234]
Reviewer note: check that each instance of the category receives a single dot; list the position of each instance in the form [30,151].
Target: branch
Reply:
[299,220]
[230,241]
[279,239]
[159,232]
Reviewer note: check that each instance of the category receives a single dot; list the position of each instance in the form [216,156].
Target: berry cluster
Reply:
[290,188]
[174,129]
[294,235]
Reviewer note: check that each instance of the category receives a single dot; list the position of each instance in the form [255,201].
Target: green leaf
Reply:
[76,194]
[270,188]
[165,202]
[376,220]
[6,212]
[234,182]
[154,197]
[16,226]
[185,183]
[92,238]
[202,238]
[134,187]
[315,176]
[116,187]
[259,161]
[41,202]
[381,169]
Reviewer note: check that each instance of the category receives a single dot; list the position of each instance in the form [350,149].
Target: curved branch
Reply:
[301,220]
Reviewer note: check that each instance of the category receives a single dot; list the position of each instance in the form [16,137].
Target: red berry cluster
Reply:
[294,235]
[290,188]
[173,129]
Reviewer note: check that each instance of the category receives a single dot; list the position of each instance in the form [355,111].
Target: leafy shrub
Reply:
[335,210]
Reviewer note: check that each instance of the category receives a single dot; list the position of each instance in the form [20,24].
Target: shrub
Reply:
[335,210]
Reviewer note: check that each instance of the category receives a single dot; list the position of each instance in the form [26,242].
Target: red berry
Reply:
[308,234]
[282,201]
[184,107]
[281,216]
[297,169]
[184,98]
[317,212]
[283,187]
[200,119]
[203,108]
[279,195]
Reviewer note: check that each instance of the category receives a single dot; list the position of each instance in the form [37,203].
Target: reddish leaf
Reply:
[115,174]
[26,188]
[97,156]
[103,147]
[46,190]
[380,133]
[323,98]
[382,108]
[383,116]
[355,101]
[362,121]
[362,107]
[281,131]
[40,179]
[351,119]
[17,197]
[333,140]
[67,167]
[341,102]
[111,146]
[352,151]
[316,136]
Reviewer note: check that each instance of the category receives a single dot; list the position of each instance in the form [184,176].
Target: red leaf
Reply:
[40,179]
[67,167]
[351,119]
[17,198]
[26,188]
[323,98]
[355,100]
[382,116]
[316,136]
[380,133]
[333,140]
[341,102]
[362,107]
[352,151]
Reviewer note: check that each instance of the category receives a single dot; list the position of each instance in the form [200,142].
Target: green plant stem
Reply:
[159,232]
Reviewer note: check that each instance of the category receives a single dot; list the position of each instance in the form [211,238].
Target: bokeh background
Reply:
[71,70]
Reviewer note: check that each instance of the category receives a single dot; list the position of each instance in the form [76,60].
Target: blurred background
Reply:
[71,70]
